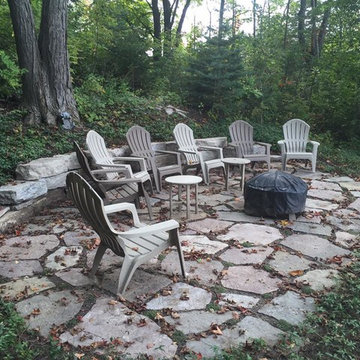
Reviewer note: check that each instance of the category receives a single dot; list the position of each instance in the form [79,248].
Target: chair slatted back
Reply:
[184,138]
[296,135]
[241,133]
[85,167]
[139,141]
[97,147]
[91,208]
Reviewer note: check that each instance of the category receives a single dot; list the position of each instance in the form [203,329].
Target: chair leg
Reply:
[98,256]
[313,165]
[126,272]
[147,200]
[174,240]
[157,181]
[283,163]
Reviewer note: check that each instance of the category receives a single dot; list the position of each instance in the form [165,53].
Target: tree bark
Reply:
[301,24]
[323,27]
[286,22]
[254,18]
[47,89]
[221,18]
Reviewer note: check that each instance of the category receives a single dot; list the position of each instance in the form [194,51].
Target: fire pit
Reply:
[275,194]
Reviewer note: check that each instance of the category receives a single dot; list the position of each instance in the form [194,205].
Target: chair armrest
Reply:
[152,229]
[187,151]
[104,171]
[113,208]
[262,143]
[177,154]
[233,144]
[111,168]
[282,144]
[141,161]
[314,143]
[212,148]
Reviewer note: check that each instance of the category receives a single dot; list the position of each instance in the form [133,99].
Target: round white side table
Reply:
[187,181]
[235,161]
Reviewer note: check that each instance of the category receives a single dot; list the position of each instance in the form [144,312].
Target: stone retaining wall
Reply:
[37,178]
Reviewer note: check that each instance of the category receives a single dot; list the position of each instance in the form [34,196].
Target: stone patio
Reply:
[246,275]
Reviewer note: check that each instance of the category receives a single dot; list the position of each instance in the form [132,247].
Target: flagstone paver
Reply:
[66,225]
[355,193]
[43,311]
[108,320]
[76,238]
[27,247]
[74,277]
[345,224]
[214,200]
[247,278]
[64,257]
[209,225]
[351,185]
[191,243]
[290,307]
[313,246]
[320,205]
[253,255]
[346,240]
[237,300]
[247,329]
[182,297]
[242,217]
[316,229]
[17,268]
[340,179]
[253,233]
[355,205]
[285,263]
[108,260]
[25,287]
[310,218]
[203,320]
[347,213]
[205,271]
[325,185]
[319,280]
[326,194]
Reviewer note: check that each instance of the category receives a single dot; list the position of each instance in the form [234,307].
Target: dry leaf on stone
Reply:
[184,296]
[235,315]
[149,346]
[141,323]
[158,316]
[35,312]
[112,302]
[215,330]
[175,315]
[296,272]
[79,355]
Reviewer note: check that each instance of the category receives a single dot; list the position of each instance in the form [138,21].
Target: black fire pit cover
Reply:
[275,194]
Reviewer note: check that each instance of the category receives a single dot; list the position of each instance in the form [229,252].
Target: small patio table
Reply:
[235,161]
[186,180]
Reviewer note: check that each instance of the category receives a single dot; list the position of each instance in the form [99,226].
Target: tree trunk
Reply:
[157,29]
[221,18]
[322,30]
[254,18]
[182,18]
[286,22]
[314,35]
[301,24]
[47,89]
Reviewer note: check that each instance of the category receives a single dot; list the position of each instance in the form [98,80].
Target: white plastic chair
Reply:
[194,157]
[139,141]
[103,159]
[137,246]
[241,134]
[296,138]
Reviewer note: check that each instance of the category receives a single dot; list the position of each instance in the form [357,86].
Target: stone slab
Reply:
[27,247]
[74,277]
[42,312]
[19,192]
[182,297]
[253,233]
[108,320]
[355,205]
[204,271]
[247,278]
[67,224]
[64,257]
[56,181]
[196,243]
[214,200]
[250,328]
[197,321]
[209,225]
[22,288]
[290,307]
[314,246]
[319,205]
[345,223]
[17,268]
[142,284]
[316,229]
[347,213]
[310,218]
[330,195]
[319,280]
[238,300]
[284,263]
[339,179]
[346,240]
[108,261]
[253,255]
[355,193]
[242,217]
[351,185]
[325,185]
[80,237]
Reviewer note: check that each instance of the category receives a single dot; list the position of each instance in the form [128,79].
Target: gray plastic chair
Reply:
[139,141]
[296,138]
[116,167]
[137,245]
[241,134]
[193,154]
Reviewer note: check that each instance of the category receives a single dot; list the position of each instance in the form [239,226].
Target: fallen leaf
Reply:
[296,272]
[78,355]
[215,330]
[149,346]
[112,302]
[175,315]
[36,312]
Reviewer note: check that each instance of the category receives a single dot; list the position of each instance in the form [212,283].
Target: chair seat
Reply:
[214,162]
[169,167]
[142,175]
[141,246]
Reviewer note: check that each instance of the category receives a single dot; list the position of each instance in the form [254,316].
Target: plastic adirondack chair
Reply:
[193,156]
[241,134]
[296,137]
[103,159]
[122,190]
[137,246]
[139,141]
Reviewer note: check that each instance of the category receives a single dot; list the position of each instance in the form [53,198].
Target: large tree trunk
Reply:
[47,89]
[221,18]
[301,24]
